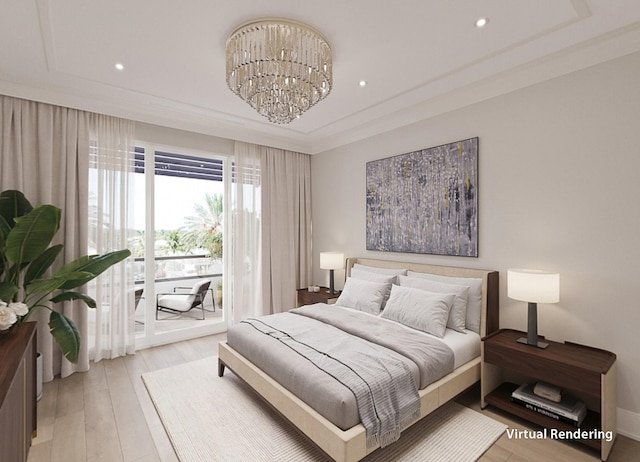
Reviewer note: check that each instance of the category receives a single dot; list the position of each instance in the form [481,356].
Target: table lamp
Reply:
[533,287]
[331,261]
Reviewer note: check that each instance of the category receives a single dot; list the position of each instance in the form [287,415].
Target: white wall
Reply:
[559,180]
[184,139]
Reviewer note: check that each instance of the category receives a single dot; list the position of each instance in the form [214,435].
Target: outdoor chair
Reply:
[179,303]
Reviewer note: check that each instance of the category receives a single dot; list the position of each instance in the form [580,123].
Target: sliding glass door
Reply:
[180,243]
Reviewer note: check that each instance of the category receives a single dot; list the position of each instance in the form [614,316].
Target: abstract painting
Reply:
[425,201]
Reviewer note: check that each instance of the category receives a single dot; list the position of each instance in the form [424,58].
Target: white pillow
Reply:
[362,295]
[387,279]
[458,313]
[474,302]
[419,309]
[375,269]
[371,276]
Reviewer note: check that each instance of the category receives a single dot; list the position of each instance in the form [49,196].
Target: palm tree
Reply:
[204,230]
[174,241]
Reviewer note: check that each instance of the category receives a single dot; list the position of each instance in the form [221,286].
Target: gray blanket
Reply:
[385,391]
[432,356]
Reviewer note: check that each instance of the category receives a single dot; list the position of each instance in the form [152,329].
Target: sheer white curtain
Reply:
[43,153]
[271,229]
[111,324]
[246,243]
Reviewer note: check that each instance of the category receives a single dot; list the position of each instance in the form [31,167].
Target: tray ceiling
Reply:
[419,58]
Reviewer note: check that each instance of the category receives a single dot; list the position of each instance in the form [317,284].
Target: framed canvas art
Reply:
[425,201]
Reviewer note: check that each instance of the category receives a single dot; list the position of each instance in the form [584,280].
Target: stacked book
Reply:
[568,409]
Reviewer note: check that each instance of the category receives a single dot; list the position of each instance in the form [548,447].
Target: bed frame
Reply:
[350,445]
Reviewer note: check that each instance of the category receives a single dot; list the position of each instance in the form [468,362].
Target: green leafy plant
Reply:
[205,229]
[26,256]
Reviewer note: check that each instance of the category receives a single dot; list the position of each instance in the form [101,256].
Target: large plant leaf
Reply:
[46,286]
[66,334]
[12,204]
[32,234]
[42,263]
[67,296]
[73,266]
[12,273]
[93,265]
[101,263]
[7,291]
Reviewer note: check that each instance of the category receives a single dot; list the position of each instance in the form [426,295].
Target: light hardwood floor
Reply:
[106,415]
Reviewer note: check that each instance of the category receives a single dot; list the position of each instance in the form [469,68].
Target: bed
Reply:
[335,431]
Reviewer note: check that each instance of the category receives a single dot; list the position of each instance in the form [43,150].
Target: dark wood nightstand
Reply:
[585,372]
[309,298]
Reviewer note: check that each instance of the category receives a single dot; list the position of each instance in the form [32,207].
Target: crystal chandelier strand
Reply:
[279,67]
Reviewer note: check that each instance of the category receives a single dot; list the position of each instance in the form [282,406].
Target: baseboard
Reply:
[629,424]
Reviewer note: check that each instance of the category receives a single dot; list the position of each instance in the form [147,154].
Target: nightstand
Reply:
[309,298]
[585,372]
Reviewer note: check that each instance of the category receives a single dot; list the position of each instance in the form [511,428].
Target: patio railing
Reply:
[174,268]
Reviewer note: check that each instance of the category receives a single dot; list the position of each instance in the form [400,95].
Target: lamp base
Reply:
[526,342]
[331,286]
[532,328]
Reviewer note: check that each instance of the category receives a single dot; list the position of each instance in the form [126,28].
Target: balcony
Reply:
[180,271]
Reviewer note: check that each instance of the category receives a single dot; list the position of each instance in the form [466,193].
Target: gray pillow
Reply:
[362,295]
[458,313]
[474,302]
[419,309]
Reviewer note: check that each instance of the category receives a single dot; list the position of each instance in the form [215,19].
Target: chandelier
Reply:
[280,67]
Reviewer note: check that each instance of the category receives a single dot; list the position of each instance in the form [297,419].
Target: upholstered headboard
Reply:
[490,319]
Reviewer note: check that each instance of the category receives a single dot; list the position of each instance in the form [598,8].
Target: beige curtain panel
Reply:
[272,229]
[44,154]
[56,155]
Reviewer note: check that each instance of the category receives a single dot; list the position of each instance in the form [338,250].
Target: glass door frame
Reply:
[151,337]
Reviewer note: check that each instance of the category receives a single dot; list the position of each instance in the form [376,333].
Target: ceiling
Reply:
[420,58]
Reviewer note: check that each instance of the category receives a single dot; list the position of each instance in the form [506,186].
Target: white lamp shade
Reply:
[331,260]
[533,286]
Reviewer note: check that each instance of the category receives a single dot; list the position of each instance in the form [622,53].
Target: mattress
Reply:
[330,398]
[465,346]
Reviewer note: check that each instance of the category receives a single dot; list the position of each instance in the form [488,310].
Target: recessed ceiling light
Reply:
[481,22]
[363,83]
[120,66]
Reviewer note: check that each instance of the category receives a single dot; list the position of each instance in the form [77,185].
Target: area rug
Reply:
[209,419]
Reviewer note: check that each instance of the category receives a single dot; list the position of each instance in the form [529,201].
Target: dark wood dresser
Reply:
[18,408]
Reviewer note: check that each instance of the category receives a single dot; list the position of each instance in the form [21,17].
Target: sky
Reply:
[174,198]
